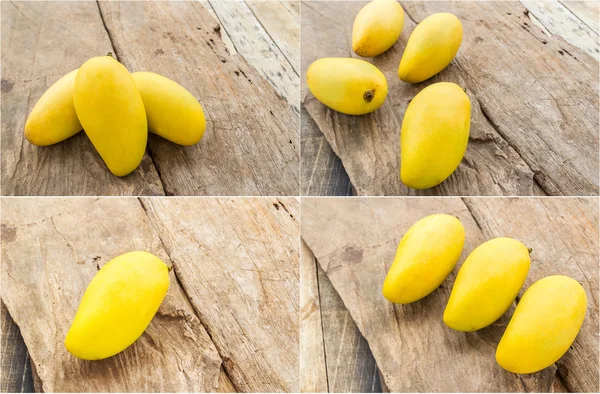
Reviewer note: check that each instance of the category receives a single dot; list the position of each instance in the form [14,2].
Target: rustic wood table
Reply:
[530,70]
[229,321]
[354,242]
[240,60]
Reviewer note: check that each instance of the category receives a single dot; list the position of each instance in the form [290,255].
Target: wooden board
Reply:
[41,42]
[249,148]
[72,239]
[15,371]
[354,241]
[238,261]
[509,153]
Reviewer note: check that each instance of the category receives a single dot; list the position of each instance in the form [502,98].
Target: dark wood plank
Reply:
[251,145]
[15,370]
[41,42]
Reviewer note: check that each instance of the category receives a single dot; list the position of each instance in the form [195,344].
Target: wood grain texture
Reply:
[355,241]
[249,148]
[558,19]
[238,262]
[369,145]
[259,49]
[41,42]
[15,370]
[585,11]
[323,173]
[73,238]
[540,92]
[313,370]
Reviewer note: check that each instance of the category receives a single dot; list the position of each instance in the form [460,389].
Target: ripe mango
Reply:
[118,305]
[487,284]
[431,47]
[544,325]
[53,118]
[111,111]
[377,27]
[434,136]
[347,85]
[172,112]
[425,257]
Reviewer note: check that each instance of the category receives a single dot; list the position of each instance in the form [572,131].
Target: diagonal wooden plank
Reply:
[564,236]
[42,286]
[15,371]
[540,92]
[369,145]
[238,261]
[41,42]
[585,11]
[249,148]
[313,372]
[355,240]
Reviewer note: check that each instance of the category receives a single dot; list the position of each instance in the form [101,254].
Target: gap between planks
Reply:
[185,293]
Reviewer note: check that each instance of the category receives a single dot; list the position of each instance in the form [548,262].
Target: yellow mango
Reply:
[487,284]
[172,112]
[434,136]
[118,305]
[431,47]
[112,113]
[53,118]
[377,27]
[425,257]
[347,85]
[544,325]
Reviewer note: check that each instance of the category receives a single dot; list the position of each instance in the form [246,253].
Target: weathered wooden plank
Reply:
[369,145]
[283,26]
[564,236]
[558,19]
[313,370]
[351,367]
[540,92]
[322,171]
[41,42]
[586,11]
[354,241]
[260,50]
[42,286]
[238,261]
[15,371]
[249,148]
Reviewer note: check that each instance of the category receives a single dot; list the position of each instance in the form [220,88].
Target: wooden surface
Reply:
[354,242]
[74,237]
[534,107]
[249,148]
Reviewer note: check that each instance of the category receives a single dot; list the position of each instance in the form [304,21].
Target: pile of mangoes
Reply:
[115,109]
[435,129]
[547,317]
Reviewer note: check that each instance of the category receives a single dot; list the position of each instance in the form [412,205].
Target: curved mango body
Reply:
[172,111]
[112,113]
[425,257]
[118,305]
[53,117]
[544,325]
[377,27]
[431,47]
[347,85]
[487,284]
[434,136]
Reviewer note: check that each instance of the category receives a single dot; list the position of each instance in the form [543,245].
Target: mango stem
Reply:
[110,54]
[170,268]
[530,250]
[369,95]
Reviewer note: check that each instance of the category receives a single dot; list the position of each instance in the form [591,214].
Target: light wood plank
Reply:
[41,42]
[249,148]
[259,49]
[355,240]
[586,11]
[238,261]
[313,372]
[369,145]
[42,287]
